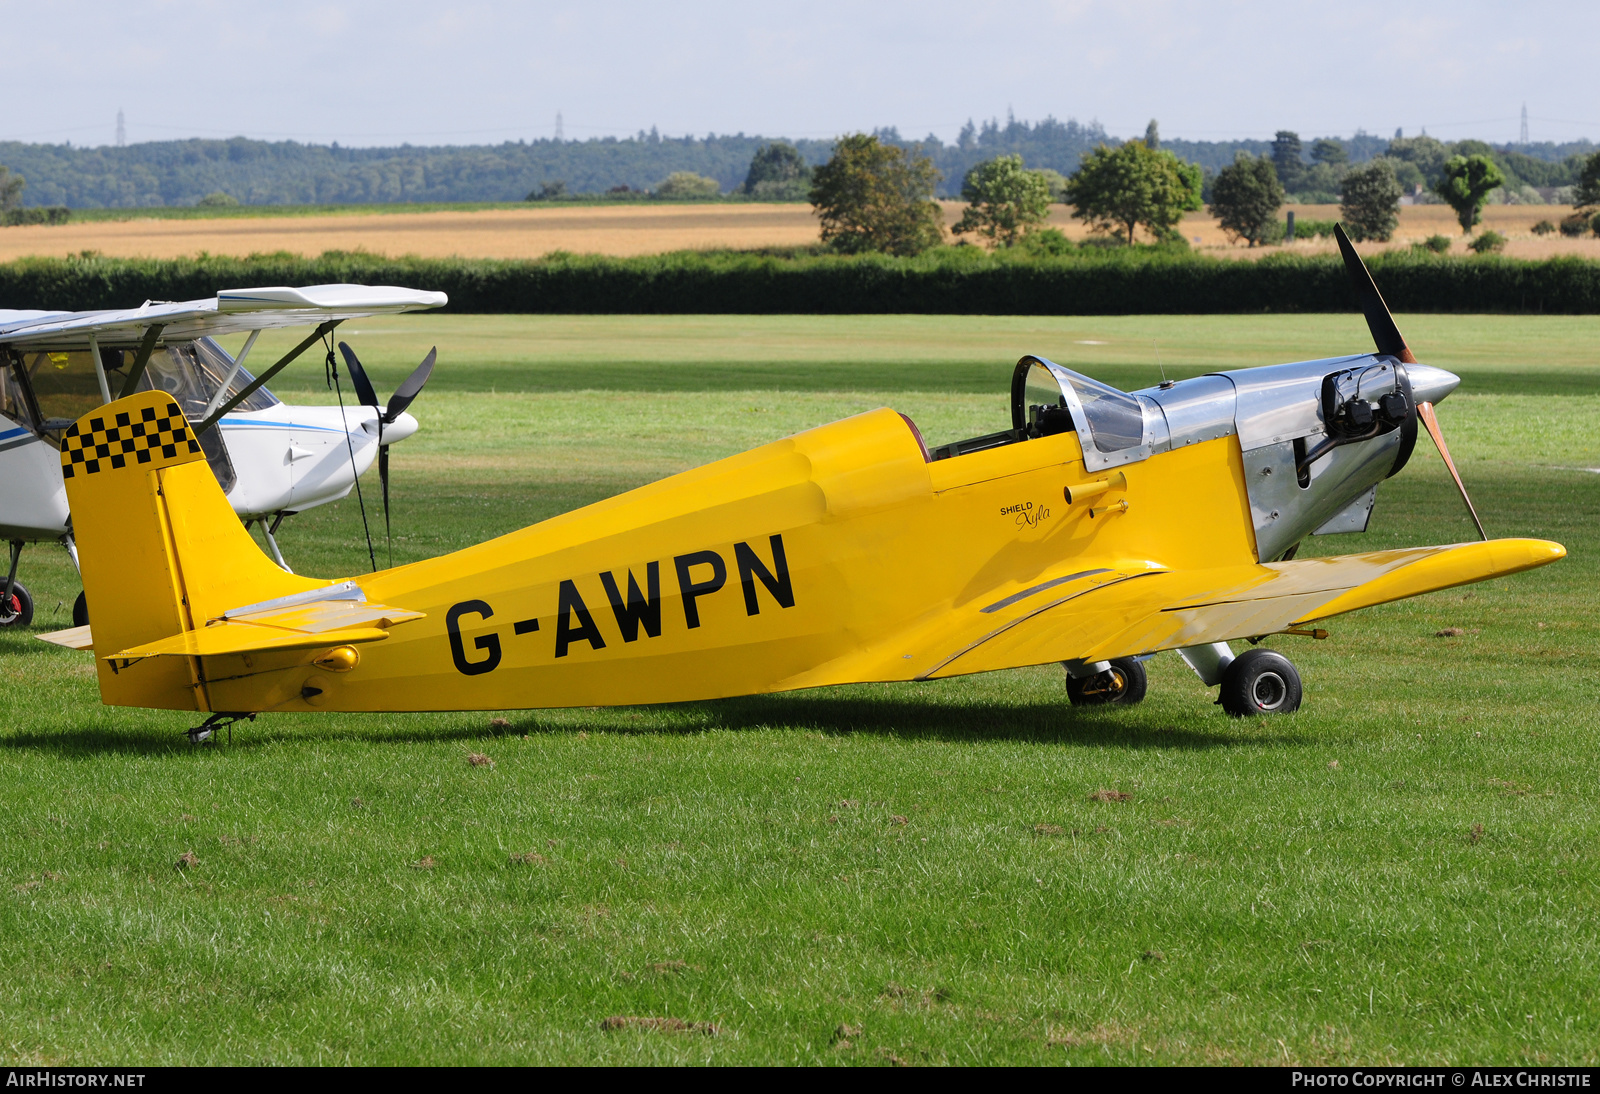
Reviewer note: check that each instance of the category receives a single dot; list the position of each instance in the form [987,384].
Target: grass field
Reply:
[1405,871]
[519,230]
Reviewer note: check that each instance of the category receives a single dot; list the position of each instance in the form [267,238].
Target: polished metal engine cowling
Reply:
[1307,468]
[1284,512]
[1304,475]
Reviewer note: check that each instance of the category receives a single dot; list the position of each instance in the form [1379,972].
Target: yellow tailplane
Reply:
[161,550]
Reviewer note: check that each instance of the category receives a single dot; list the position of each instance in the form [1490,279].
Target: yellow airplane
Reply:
[1100,528]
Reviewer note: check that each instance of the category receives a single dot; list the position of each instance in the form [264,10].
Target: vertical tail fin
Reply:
[160,549]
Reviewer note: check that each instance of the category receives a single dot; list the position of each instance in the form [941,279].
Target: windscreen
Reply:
[1042,388]
[191,372]
[216,363]
[1115,417]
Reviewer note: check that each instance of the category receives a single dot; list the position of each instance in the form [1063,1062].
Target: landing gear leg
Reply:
[270,531]
[80,606]
[1122,681]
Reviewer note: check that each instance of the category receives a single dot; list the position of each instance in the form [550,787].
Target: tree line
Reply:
[171,173]
[876,196]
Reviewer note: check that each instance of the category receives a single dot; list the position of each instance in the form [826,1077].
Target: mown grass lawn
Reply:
[1405,871]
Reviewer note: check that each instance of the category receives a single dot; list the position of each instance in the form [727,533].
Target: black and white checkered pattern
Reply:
[159,434]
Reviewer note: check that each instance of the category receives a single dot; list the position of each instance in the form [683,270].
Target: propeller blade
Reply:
[409,390]
[383,477]
[358,377]
[1379,321]
[1429,419]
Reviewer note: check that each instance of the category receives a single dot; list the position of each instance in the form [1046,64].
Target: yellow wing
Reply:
[1167,609]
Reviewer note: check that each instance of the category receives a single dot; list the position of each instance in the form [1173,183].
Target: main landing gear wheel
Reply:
[18,611]
[1260,681]
[1123,683]
[80,610]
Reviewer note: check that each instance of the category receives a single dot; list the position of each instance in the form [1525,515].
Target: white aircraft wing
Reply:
[233,311]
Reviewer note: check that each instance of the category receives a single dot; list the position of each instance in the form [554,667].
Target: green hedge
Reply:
[951,281]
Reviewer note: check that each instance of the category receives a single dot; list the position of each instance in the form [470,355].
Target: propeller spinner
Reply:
[1428,383]
[403,396]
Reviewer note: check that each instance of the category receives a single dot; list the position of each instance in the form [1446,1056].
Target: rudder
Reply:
[159,548]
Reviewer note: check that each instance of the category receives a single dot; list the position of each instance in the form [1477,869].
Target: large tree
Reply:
[1331,152]
[10,189]
[778,171]
[1369,201]
[1585,195]
[873,196]
[1466,185]
[1005,200]
[1246,197]
[1120,189]
[1286,158]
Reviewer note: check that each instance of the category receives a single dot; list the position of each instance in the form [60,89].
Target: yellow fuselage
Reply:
[833,556]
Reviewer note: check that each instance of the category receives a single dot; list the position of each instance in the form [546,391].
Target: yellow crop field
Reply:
[651,229]
[492,233]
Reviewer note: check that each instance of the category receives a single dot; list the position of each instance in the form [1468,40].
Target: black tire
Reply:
[1124,683]
[1260,681]
[18,613]
[80,611]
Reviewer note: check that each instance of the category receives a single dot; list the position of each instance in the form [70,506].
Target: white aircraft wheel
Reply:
[19,612]
[1123,683]
[80,611]
[1260,681]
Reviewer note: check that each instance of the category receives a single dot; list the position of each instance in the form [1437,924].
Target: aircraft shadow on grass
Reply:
[1042,722]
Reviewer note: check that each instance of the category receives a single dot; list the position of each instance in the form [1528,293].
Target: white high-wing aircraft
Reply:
[271,459]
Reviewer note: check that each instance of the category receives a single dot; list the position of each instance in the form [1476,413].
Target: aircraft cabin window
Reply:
[190,372]
[64,386]
[13,399]
[215,362]
[173,369]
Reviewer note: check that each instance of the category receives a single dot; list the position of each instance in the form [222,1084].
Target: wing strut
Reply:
[250,389]
[141,359]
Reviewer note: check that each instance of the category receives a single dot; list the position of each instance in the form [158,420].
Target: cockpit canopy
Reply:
[1113,427]
[1042,390]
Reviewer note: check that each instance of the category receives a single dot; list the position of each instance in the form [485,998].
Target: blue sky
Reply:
[431,73]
